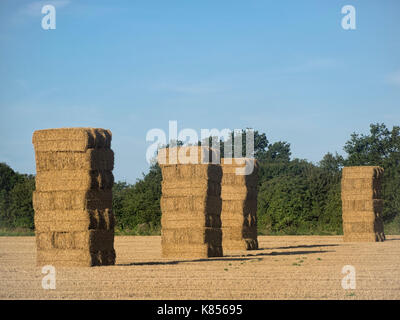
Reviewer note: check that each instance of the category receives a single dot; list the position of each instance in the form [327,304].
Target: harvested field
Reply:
[285,267]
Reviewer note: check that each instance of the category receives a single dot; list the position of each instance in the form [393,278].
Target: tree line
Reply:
[295,196]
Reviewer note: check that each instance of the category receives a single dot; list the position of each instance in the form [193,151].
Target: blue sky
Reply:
[286,68]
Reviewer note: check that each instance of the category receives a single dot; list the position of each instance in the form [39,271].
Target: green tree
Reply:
[278,151]
[20,204]
[140,203]
[15,198]
[332,163]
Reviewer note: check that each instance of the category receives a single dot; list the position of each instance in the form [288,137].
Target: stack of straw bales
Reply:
[239,204]
[73,199]
[190,203]
[362,204]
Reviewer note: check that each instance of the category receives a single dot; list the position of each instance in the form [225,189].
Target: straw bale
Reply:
[91,240]
[72,200]
[362,226]
[191,251]
[239,220]
[239,232]
[208,172]
[65,180]
[201,204]
[185,220]
[360,172]
[78,220]
[247,206]
[191,235]
[363,237]
[361,188]
[174,189]
[361,184]
[71,139]
[92,159]
[187,155]
[244,244]
[374,205]
[240,180]
[237,192]
[75,258]
[236,166]
[352,216]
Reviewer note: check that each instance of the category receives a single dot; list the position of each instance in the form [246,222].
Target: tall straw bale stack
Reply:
[239,204]
[362,204]
[73,198]
[190,203]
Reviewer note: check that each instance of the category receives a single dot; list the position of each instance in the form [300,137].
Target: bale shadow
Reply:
[302,246]
[152,263]
[247,257]
[273,253]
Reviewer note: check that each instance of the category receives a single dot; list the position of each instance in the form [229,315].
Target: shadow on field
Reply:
[303,246]
[273,253]
[247,257]
[151,263]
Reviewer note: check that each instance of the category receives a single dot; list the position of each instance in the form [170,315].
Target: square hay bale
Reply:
[238,193]
[238,233]
[247,167]
[354,216]
[190,188]
[188,155]
[200,172]
[71,139]
[240,180]
[91,159]
[374,205]
[241,207]
[66,180]
[362,188]
[191,204]
[189,220]
[239,204]
[243,244]
[72,200]
[191,235]
[362,172]
[362,237]
[78,220]
[362,205]
[91,240]
[74,258]
[239,220]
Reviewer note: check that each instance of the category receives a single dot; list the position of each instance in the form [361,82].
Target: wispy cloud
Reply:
[394,78]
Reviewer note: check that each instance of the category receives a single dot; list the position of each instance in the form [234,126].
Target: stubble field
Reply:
[285,267]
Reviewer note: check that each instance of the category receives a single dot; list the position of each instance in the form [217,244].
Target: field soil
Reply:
[285,267]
